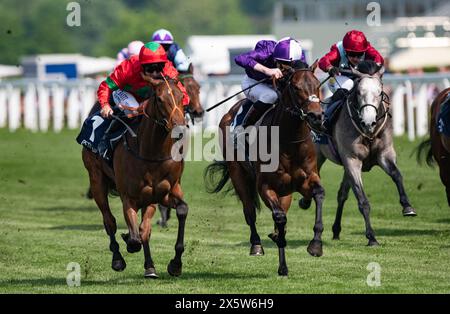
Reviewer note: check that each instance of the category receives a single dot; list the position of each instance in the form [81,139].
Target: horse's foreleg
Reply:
[341,198]
[279,217]
[145,230]
[387,163]
[99,188]
[132,238]
[305,203]
[249,207]
[353,168]
[175,265]
[318,193]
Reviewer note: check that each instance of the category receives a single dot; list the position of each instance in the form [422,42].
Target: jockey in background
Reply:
[132,49]
[174,53]
[126,87]
[347,53]
[265,61]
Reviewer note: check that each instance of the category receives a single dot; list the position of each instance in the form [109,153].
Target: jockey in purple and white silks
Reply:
[174,53]
[264,62]
[132,49]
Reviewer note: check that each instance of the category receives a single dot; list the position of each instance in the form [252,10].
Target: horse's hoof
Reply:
[256,250]
[150,273]
[304,204]
[315,248]
[409,212]
[336,237]
[162,223]
[119,264]
[174,268]
[133,245]
[283,271]
[373,243]
[273,236]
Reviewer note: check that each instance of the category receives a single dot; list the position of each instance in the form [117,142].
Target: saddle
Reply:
[101,136]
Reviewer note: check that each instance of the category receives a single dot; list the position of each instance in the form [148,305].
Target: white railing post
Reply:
[73,109]
[44,108]
[398,111]
[410,110]
[3,108]
[13,108]
[422,111]
[30,109]
[58,107]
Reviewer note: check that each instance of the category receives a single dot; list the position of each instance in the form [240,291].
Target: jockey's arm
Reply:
[274,73]
[329,60]
[181,61]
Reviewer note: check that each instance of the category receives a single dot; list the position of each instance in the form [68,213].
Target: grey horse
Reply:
[362,138]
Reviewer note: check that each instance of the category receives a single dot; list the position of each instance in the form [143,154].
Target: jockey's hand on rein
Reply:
[274,73]
[333,71]
[106,111]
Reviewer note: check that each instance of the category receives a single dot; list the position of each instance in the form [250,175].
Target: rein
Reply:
[384,116]
[162,123]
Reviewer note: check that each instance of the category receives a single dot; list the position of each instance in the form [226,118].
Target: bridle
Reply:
[297,108]
[356,119]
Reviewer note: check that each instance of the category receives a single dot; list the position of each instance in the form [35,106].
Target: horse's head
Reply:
[194,108]
[369,94]
[302,91]
[166,105]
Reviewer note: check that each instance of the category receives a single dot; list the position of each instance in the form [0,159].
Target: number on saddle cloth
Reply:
[92,131]
[443,121]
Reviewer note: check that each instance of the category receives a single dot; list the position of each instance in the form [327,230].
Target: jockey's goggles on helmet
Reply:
[355,54]
[153,67]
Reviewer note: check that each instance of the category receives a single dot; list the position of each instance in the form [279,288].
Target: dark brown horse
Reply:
[438,144]
[298,109]
[144,174]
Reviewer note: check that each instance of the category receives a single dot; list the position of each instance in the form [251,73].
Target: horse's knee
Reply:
[279,217]
[182,210]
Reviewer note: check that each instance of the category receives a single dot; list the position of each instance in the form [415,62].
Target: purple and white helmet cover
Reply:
[287,49]
[163,36]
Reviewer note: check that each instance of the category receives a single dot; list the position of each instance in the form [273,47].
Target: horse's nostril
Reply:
[374,123]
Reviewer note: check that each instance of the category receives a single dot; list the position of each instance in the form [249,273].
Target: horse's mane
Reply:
[368,67]
[299,65]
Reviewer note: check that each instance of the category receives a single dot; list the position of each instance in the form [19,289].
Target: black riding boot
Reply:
[104,147]
[255,113]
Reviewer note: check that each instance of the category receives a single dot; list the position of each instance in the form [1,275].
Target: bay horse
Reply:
[195,111]
[144,174]
[298,109]
[438,144]
[362,138]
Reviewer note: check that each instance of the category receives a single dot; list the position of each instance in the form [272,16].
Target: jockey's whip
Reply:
[226,99]
[329,76]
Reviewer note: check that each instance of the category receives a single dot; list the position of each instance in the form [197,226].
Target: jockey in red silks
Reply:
[126,84]
[347,53]
[126,87]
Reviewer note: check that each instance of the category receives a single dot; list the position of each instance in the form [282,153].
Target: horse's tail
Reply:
[425,146]
[217,174]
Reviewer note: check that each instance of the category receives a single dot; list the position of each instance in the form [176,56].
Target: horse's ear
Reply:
[191,69]
[381,71]
[314,65]
[153,82]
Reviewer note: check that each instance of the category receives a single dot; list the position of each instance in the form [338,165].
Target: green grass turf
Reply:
[46,223]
